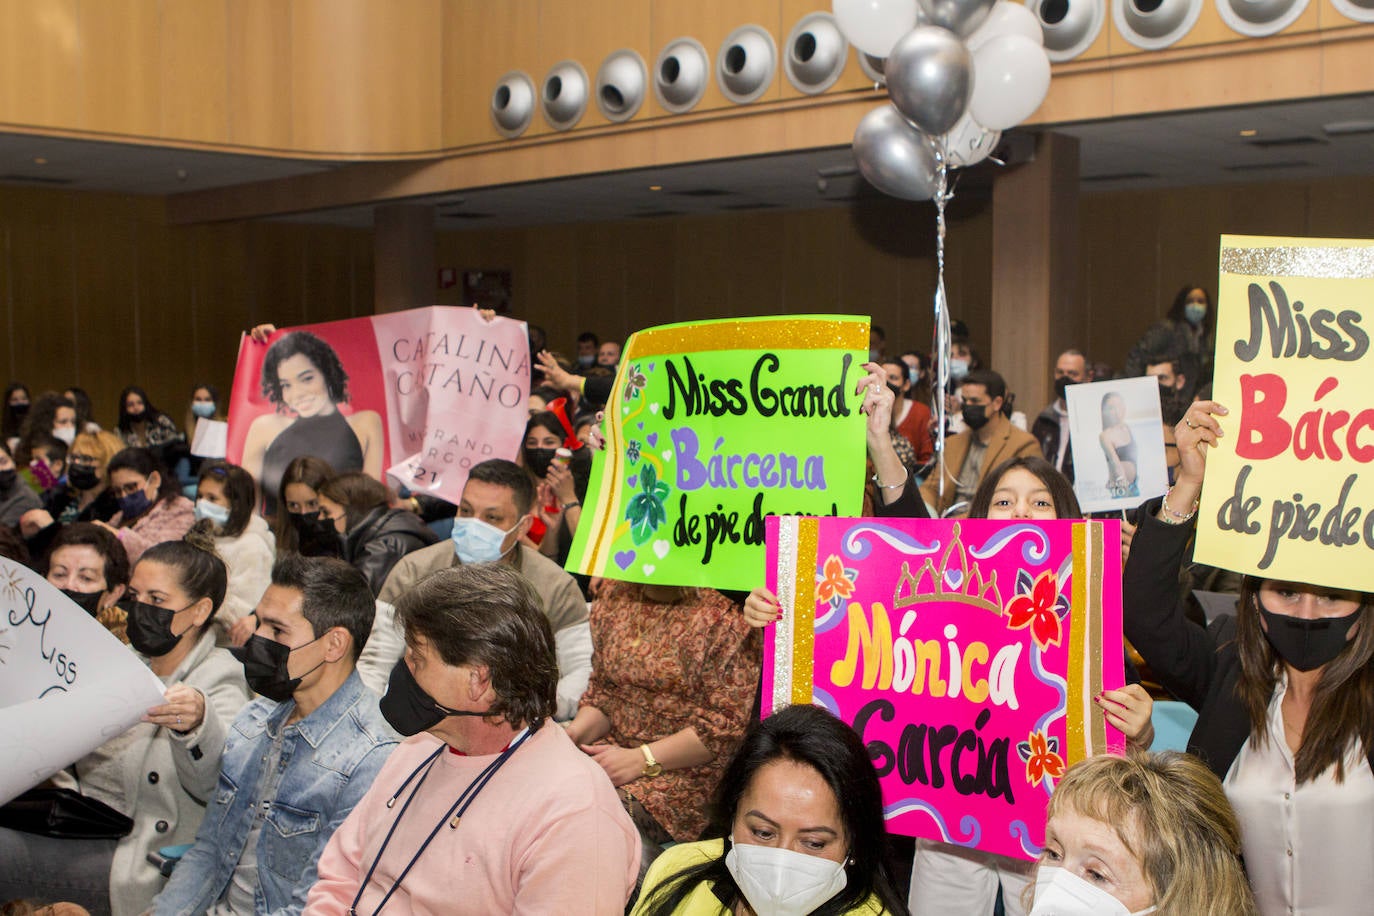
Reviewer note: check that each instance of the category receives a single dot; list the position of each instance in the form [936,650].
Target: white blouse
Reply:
[1308,849]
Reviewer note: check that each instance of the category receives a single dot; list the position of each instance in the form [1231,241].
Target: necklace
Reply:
[453,816]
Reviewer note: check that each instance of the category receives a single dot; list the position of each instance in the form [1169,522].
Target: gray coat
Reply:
[167,778]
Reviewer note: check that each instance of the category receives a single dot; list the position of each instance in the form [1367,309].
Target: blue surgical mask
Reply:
[475,541]
[214,512]
[134,504]
[913,374]
[203,408]
[958,368]
[1194,312]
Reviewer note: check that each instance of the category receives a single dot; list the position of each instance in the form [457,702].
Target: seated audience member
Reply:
[205,405]
[17,407]
[1051,427]
[801,830]
[51,415]
[141,425]
[45,464]
[374,535]
[910,417]
[493,515]
[300,525]
[608,355]
[1187,331]
[12,546]
[90,566]
[1174,376]
[16,497]
[561,486]
[303,754]
[85,416]
[151,507]
[1284,690]
[162,772]
[489,807]
[87,497]
[225,499]
[674,675]
[587,345]
[988,440]
[1145,833]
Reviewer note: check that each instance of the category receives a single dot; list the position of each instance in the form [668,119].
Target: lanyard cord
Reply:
[455,812]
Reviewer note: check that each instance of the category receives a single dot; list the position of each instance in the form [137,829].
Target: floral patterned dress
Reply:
[660,668]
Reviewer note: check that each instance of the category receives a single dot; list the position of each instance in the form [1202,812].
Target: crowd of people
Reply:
[377,700]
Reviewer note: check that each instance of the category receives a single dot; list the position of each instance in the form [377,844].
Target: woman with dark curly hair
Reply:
[141,425]
[304,379]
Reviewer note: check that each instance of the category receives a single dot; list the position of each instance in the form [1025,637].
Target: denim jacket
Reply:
[328,762]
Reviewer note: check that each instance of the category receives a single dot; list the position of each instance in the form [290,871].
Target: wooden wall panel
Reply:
[587,33]
[194,69]
[121,82]
[40,62]
[482,41]
[258,51]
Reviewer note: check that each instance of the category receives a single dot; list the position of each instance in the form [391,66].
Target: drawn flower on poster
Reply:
[13,587]
[646,510]
[1041,755]
[836,583]
[632,451]
[634,383]
[1039,606]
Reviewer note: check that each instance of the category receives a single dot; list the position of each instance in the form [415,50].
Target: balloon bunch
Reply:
[958,72]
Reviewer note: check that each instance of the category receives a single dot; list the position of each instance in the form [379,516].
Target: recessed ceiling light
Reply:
[655,187]
[1249,132]
[39,160]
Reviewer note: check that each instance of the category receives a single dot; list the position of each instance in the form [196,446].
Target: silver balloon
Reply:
[961,16]
[930,78]
[894,156]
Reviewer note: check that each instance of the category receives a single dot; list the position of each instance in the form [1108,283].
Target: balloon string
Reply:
[942,334]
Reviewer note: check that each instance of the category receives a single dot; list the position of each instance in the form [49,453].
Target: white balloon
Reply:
[873,26]
[969,143]
[1011,79]
[1007,18]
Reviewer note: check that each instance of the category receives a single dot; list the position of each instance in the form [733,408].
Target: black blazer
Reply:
[1199,666]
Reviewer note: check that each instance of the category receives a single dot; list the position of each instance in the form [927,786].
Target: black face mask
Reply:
[7,478]
[265,666]
[83,477]
[317,535]
[539,459]
[1306,644]
[87,601]
[408,709]
[895,389]
[19,411]
[975,415]
[1061,385]
[150,627]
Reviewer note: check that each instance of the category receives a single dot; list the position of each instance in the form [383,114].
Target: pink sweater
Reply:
[547,835]
[167,520]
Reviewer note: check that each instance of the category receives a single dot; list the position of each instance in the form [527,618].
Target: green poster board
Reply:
[711,427]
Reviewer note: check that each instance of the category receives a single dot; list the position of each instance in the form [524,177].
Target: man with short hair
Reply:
[587,345]
[493,514]
[1051,427]
[298,758]
[1175,387]
[489,807]
[988,439]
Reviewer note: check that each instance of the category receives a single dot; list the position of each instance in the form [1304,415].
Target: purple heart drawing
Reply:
[651,367]
[624,559]
[632,480]
[640,424]
[953,578]
[652,439]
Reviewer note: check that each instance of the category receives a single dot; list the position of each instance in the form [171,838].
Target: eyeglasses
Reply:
[89,461]
[129,488]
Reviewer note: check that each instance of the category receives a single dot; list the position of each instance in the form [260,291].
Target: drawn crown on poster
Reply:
[953,581]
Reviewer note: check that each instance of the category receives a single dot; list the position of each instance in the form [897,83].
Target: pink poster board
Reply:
[965,653]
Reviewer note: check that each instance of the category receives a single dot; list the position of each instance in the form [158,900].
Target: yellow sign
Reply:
[1288,493]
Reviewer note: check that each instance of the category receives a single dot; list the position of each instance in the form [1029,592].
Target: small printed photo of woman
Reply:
[1117,439]
[303,378]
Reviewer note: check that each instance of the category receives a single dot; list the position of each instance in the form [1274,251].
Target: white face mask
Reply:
[780,882]
[1062,893]
[66,433]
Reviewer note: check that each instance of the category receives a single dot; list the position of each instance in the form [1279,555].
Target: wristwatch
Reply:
[651,766]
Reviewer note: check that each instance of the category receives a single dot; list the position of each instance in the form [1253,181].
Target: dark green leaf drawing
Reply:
[646,511]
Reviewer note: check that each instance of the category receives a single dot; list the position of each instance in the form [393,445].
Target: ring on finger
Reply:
[1189,421]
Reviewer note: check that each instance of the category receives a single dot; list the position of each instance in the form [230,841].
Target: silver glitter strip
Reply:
[1311,262]
[787,597]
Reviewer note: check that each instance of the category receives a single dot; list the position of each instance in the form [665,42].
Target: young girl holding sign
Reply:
[1285,696]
